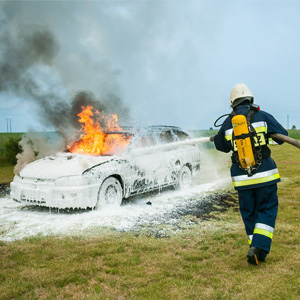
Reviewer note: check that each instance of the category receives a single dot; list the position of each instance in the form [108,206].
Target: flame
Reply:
[94,140]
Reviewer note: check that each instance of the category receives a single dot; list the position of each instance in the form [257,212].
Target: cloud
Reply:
[171,62]
[31,66]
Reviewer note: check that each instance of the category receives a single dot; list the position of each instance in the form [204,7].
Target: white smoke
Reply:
[36,145]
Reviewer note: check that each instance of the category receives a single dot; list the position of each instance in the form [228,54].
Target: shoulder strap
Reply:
[232,114]
[250,114]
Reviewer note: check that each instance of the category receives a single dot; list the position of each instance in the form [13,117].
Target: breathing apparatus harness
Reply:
[249,152]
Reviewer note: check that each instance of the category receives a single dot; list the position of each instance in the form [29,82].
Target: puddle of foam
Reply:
[17,222]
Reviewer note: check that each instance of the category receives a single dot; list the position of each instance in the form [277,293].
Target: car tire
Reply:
[184,178]
[110,193]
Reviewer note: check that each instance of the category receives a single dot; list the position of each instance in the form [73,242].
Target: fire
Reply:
[94,140]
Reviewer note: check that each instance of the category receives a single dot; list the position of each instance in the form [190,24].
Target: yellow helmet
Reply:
[238,94]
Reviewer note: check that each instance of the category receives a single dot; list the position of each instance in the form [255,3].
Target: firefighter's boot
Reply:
[252,256]
[262,256]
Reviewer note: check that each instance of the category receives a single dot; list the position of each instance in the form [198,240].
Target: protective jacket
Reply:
[264,124]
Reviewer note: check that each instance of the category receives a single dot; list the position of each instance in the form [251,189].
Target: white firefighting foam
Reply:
[17,221]
[63,164]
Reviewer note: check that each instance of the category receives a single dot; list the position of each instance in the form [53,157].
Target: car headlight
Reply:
[77,180]
[71,181]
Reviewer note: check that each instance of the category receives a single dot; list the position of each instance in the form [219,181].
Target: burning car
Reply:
[147,158]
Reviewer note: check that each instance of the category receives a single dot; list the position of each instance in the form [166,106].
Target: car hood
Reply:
[64,164]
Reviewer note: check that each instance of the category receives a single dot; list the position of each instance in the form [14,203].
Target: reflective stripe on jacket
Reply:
[264,124]
[260,177]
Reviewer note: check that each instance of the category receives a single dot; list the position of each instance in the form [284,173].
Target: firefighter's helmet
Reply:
[239,93]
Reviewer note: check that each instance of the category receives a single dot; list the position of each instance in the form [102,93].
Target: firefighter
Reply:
[256,184]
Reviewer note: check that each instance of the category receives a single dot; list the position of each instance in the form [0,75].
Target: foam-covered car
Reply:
[154,159]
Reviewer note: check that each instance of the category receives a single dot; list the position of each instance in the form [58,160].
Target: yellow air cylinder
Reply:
[244,147]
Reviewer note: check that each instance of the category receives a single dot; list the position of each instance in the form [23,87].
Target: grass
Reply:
[6,169]
[294,133]
[204,261]
[6,174]
[4,137]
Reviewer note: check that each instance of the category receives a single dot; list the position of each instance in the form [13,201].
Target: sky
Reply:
[164,62]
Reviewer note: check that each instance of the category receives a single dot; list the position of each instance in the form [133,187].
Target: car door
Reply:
[148,165]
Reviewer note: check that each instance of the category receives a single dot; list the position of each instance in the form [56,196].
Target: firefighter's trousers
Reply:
[258,207]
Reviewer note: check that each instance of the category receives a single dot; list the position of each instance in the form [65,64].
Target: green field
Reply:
[206,260]
[4,137]
[6,168]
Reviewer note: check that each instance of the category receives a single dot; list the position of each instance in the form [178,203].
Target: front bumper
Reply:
[55,196]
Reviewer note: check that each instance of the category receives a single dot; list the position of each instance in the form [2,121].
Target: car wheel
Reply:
[110,193]
[184,178]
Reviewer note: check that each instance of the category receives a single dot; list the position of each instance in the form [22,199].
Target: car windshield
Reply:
[155,136]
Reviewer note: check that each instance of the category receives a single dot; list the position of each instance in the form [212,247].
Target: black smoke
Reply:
[30,71]
[26,70]
[21,49]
